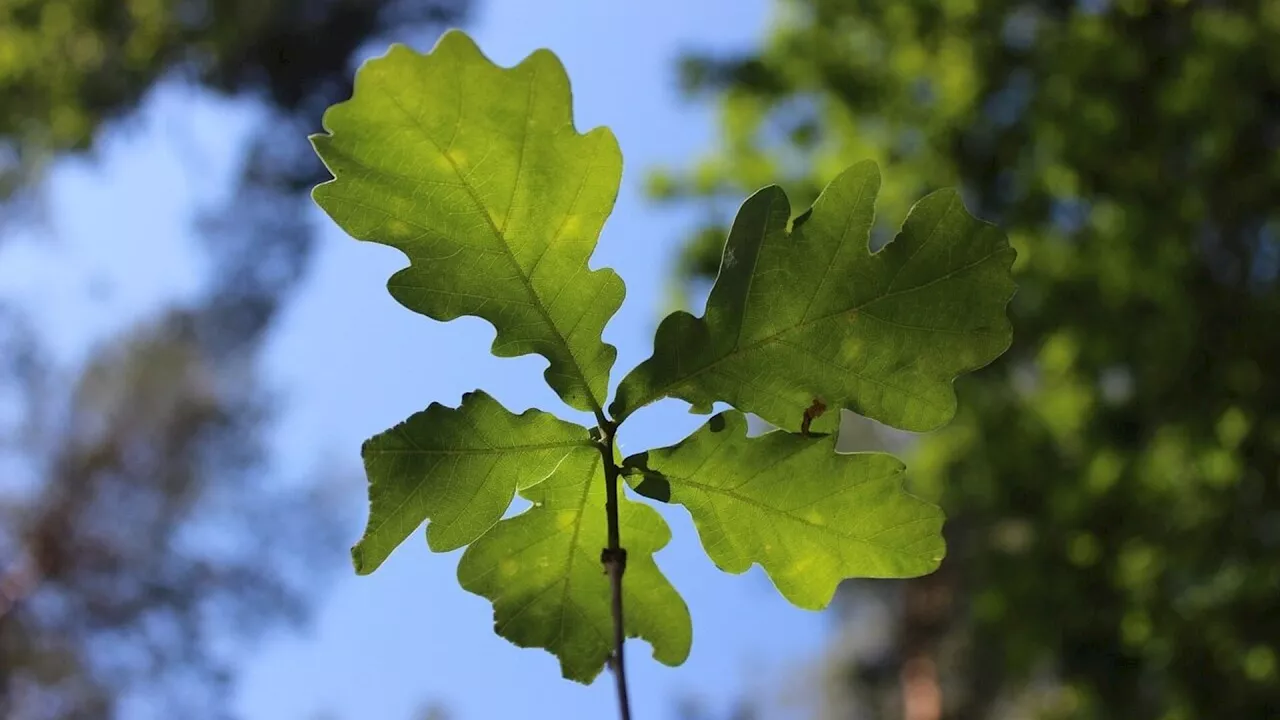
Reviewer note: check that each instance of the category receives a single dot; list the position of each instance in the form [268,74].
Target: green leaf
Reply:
[811,313]
[809,516]
[459,468]
[477,174]
[542,571]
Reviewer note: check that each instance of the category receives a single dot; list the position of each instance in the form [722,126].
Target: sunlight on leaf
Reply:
[542,570]
[811,313]
[459,468]
[477,174]
[808,515]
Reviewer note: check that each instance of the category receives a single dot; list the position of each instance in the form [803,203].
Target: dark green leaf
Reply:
[812,314]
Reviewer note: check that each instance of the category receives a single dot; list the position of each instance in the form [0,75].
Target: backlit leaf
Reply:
[809,313]
[459,468]
[543,573]
[808,515]
[477,174]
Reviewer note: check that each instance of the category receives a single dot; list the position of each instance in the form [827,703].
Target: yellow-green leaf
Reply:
[808,515]
[459,468]
[477,174]
[543,573]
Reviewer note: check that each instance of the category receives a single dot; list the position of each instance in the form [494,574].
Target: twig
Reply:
[614,559]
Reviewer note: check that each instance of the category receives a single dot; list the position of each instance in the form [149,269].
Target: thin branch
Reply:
[17,583]
[614,559]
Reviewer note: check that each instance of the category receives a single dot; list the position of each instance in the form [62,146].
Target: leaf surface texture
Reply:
[807,313]
[460,469]
[543,573]
[811,517]
[476,173]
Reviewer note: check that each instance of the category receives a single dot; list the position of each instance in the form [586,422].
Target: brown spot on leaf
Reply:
[815,410]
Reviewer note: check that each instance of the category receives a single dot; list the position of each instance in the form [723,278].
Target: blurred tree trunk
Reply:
[140,544]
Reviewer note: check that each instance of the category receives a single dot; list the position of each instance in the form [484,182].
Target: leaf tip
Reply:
[701,408]
[362,564]
[450,39]
[673,657]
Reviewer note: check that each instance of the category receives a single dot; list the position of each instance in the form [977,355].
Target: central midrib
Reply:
[492,450]
[573,546]
[738,352]
[596,406]
[765,508]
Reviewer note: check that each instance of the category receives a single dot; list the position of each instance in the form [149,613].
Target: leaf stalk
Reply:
[614,559]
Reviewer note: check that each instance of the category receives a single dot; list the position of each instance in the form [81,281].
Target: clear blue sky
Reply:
[351,362]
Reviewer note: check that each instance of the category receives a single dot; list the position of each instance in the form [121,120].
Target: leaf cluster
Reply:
[477,174]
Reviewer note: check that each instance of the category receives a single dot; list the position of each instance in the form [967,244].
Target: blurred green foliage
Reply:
[67,66]
[1113,482]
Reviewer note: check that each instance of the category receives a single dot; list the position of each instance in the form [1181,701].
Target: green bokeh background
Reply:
[1112,484]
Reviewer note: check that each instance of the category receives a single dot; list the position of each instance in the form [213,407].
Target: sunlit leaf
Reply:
[459,468]
[477,174]
[809,313]
[543,573]
[809,516]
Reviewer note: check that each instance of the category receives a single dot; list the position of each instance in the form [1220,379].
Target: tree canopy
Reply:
[1113,484]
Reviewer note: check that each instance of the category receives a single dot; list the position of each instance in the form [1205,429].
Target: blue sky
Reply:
[350,362]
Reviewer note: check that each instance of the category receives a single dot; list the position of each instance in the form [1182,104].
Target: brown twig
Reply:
[614,559]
